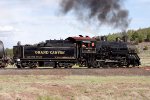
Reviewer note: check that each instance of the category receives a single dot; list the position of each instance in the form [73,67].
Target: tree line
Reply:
[138,36]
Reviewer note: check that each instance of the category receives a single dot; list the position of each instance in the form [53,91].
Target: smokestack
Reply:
[103,38]
[125,38]
[105,12]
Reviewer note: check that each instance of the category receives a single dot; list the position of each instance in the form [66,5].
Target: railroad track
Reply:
[78,71]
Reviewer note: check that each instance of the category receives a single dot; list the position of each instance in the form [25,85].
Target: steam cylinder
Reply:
[2,52]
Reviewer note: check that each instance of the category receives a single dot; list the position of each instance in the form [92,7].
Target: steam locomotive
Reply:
[83,51]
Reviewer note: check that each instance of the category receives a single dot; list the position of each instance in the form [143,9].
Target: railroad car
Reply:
[3,58]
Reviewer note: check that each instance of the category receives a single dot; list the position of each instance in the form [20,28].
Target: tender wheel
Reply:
[3,65]
[89,66]
[19,66]
[66,67]
[56,65]
[70,66]
[34,65]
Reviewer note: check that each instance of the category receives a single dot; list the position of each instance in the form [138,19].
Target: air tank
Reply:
[2,52]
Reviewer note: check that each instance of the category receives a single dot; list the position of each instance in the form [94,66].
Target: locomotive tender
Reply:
[84,51]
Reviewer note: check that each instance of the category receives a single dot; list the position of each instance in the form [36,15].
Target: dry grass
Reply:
[144,54]
[74,87]
[145,57]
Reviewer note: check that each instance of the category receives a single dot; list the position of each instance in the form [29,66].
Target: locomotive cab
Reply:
[84,44]
[86,49]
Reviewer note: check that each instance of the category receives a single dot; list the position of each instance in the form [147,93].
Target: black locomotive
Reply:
[84,51]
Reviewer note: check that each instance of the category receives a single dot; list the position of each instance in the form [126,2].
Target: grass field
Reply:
[144,54]
[145,58]
[74,88]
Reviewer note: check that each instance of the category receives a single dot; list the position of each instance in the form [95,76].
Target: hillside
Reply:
[144,54]
[140,35]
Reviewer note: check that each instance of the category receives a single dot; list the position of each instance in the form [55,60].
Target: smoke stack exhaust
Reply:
[105,12]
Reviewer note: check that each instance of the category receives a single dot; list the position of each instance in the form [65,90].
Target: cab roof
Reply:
[81,38]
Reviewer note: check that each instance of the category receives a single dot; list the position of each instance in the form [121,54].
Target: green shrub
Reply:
[145,48]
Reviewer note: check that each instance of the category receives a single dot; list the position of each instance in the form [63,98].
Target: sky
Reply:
[33,21]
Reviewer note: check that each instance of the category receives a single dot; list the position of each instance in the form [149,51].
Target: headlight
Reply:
[18,60]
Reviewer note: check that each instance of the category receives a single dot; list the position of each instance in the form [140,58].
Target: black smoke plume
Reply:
[103,12]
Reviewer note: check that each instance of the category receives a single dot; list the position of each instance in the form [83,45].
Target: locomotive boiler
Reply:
[116,54]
